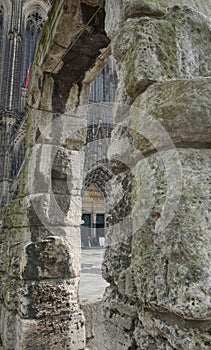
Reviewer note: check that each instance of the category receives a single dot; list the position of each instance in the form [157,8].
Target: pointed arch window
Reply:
[98,88]
[34,26]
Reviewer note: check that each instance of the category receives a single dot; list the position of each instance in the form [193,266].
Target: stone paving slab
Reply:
[92,285]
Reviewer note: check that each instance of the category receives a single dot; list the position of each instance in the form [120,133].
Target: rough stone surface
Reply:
[145,56]
[157,258]
[53,333]
[123,9]
[180,283]
[182,108]
[40,236]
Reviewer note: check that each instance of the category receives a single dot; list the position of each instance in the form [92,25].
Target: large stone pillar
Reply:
[40,239]
[42,235]
[158,259]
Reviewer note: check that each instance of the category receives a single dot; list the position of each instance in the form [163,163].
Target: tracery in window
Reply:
[49,2]
[34,26]
[103,88]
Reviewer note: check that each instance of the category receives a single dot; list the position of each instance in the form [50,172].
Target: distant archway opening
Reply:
[93,226]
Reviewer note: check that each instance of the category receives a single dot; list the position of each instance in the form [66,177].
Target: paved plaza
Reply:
[92,285]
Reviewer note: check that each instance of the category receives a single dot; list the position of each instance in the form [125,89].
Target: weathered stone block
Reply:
[117,12]
[60,186]
[136,8]
[48,164]
[49,128]
[23,212]
[53,333]
[37,122]
[170,266]
[48,299]
[69,23]
[16,214]
[14,249]
[48,259]
[61,164]
[47,209]
[48,34]
[110,326]
[118,252]
[40,233]
[181,107]
[9,292]
[147,57]
[42,209]
[8,330]
[168,115]
[162,331]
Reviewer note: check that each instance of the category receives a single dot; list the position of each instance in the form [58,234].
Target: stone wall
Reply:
[157,259]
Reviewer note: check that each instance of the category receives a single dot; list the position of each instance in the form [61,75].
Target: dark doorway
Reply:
[86,230]
[100,229]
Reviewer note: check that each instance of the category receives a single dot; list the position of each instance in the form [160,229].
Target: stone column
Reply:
[42,229]
[40,239]
[158,264]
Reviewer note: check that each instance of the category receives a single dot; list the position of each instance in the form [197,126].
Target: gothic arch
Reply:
[33,27]
[34,15]
[88,193]
[35,6]
[99,175]
[7,7]
[5,13]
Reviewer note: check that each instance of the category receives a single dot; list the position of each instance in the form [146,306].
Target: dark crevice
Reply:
[166,267]
[38,133]
[80,58]
[89,17]
[133,346]
[141,88]
[156,15]
[80,86]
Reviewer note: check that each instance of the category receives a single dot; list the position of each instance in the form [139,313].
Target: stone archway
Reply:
[158,295]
